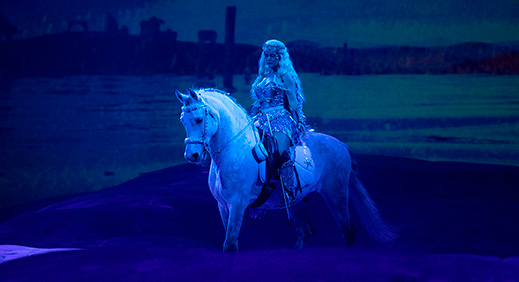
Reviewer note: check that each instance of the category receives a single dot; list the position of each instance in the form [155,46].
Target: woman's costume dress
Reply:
[271,108]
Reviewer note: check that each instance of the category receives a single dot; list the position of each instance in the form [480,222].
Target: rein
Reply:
[234,138]
[205,143]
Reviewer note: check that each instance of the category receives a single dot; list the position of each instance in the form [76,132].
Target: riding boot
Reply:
[288,177]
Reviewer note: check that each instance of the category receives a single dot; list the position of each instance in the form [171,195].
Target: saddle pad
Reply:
[304,165]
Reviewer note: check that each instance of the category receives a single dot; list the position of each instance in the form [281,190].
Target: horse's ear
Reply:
[182,97]
[193,94]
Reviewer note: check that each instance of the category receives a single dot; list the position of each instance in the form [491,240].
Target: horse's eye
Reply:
[198,120]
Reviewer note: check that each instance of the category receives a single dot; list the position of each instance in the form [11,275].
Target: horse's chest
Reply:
[227,183]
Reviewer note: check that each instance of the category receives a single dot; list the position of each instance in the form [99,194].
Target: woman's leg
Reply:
[283,142]
[286,170]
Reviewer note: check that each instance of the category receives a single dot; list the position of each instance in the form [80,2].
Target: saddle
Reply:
[269,178]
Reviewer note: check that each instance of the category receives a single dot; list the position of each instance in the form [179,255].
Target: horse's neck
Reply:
[235,131]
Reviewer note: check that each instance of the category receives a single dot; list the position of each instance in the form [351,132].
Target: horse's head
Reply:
[200,124]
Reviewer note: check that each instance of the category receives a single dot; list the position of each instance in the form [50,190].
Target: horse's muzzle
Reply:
[192,157]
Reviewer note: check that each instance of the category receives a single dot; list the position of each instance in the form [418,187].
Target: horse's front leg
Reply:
[234,214]
[232,188]
[224,214]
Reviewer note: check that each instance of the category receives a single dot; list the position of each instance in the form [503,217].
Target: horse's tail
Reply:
[367,211]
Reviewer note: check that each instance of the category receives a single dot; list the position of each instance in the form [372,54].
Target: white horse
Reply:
[217,127]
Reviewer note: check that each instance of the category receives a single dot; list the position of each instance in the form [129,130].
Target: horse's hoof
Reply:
[299,246]
[303,240]
[230,248]
[349,235]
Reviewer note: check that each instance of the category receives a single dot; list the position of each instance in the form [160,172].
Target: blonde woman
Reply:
[277,107]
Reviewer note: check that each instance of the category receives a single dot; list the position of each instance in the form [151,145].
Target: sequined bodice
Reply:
[270,91]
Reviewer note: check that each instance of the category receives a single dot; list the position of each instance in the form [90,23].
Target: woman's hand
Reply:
[301,127]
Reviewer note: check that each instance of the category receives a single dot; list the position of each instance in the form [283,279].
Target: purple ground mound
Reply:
[456,222]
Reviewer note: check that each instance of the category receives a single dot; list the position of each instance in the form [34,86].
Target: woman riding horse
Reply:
[219,128]
[277,109]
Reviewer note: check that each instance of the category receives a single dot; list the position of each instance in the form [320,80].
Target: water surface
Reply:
[83,133]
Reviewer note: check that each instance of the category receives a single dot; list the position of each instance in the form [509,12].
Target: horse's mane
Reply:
[217,93]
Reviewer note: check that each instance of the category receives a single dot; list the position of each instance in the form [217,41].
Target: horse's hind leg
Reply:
[302,223]
[336,196]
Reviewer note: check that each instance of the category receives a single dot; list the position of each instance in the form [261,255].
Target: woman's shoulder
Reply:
[288,79]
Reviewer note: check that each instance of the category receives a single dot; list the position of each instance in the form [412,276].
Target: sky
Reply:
[327,22]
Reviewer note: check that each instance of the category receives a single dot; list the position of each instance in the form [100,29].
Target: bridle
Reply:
[204,142]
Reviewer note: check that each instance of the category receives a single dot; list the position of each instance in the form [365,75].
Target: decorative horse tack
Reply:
[223,131]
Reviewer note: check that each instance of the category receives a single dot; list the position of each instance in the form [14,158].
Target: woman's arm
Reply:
[291,93]
[254,108]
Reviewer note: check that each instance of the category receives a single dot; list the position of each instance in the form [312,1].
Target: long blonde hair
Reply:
[285,65]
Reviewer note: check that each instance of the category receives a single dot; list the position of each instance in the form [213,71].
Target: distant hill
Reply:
[500,64]
[417,60]
[120,53]
[310,57]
